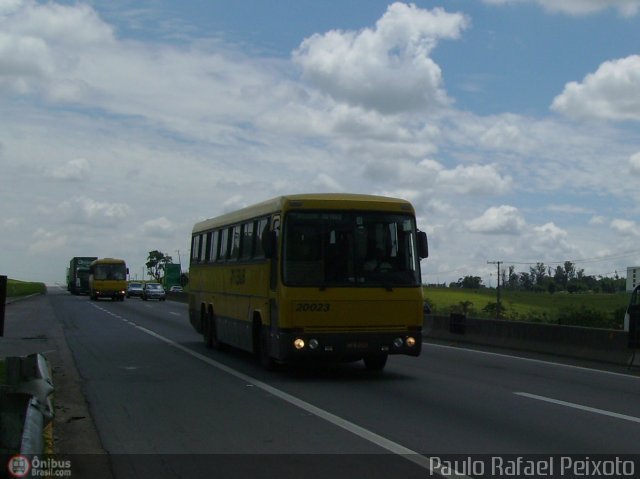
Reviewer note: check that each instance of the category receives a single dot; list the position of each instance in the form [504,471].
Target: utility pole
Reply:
[498,307]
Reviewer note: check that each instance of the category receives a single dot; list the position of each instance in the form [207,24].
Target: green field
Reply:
[24,288]
[584,309]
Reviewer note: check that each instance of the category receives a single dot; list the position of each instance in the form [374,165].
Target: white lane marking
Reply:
[579,406]
[531,360]
[393,447]
[174,313]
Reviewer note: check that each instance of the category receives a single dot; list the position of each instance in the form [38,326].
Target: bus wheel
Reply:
[266,361]
[375,362]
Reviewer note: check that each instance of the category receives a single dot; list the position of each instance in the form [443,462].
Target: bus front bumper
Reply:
[290,345]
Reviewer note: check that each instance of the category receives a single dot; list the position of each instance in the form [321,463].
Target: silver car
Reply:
[153,291]
[134,289]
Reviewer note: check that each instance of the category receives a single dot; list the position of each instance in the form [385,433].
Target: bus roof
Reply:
[343,201]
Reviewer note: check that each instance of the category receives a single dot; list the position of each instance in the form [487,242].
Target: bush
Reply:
[586,317]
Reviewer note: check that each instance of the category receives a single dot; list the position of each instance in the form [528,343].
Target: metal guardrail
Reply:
[26,402]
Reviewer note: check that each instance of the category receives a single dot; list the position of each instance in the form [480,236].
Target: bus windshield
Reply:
[110,272]
[335,248]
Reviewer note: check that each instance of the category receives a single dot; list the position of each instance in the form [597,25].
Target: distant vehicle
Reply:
[153,291]
[78,274]
[176,289]
[108,279]
[134,289]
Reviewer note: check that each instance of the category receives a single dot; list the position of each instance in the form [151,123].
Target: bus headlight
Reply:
[313,344]
[398,342]
[411,341]
[298,343]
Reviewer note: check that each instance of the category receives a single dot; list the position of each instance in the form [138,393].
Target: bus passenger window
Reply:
[195,248]
[262,234]
[201,249]
[213,255]
[246,245]
[224,244]
[235,243]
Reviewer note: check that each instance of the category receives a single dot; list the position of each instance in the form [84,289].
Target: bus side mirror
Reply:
[423,245]
[271,245]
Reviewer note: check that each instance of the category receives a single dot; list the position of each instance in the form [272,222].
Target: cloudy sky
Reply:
[512,125]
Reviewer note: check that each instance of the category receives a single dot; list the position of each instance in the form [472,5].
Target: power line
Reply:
[584,260]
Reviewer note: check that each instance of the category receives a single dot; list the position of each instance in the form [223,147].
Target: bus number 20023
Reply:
[313,307]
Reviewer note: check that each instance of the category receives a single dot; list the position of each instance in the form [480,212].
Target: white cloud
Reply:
[634,164]
[549,242]
[387,68]
[70,25]
[327,183]
[611,93]
[625,227]
[626,8]
[47,241]
[159,227]
[22,60]
[582,7]
[40,45]
[9,6]
[501,220]
[74,170]
[87,211]
[474,180]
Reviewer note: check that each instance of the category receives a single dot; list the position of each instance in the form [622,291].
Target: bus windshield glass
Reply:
[110,272]
[350,249]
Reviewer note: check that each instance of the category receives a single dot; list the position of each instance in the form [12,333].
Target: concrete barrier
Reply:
[179,297]
[606,345]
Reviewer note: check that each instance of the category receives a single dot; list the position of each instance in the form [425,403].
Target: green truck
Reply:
[78,274]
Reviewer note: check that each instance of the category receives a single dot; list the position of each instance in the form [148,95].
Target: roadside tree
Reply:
[156,264]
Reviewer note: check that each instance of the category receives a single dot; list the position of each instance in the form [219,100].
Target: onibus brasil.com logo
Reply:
[23,466]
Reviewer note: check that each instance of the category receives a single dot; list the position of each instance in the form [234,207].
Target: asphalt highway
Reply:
[166,406]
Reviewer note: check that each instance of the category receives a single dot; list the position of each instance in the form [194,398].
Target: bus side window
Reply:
[235,243]
[213,254]
[195,247]
[224,244]
[246,245]
[262,234]
[204,247]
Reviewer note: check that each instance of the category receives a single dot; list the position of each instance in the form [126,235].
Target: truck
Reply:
[78,274]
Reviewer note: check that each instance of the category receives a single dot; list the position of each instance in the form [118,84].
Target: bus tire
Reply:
[375,362]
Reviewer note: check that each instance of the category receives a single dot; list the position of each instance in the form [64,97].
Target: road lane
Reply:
[449,400]
[148,397]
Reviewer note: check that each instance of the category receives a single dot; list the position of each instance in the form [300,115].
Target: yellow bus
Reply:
[108,279]
[333,276]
